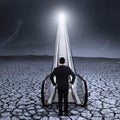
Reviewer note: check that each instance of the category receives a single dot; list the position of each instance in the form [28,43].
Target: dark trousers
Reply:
[63,94]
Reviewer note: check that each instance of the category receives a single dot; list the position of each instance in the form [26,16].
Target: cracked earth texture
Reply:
[20,89]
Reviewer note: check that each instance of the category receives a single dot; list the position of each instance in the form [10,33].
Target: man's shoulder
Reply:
[65,67]
[56,68]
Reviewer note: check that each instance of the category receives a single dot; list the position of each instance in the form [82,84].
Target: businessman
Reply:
[62,74]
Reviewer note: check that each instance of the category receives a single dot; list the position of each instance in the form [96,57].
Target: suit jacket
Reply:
[62,74]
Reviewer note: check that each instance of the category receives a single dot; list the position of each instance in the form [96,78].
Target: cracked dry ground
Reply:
[20,86]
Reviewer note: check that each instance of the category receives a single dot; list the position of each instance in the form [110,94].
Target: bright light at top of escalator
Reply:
[61,18]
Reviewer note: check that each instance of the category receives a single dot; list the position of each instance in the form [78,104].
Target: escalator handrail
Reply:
[86,90]
[42,90]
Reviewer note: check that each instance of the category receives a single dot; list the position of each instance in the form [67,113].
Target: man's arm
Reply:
[73,76]
[52,76]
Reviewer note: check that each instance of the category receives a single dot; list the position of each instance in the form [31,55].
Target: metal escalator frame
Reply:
[55,64]
[51,95]
[76,95]
[77,99]
[44,102]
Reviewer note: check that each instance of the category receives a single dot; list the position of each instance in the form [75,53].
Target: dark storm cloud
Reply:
[93,25]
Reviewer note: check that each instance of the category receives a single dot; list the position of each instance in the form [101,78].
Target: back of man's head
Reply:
[62,60]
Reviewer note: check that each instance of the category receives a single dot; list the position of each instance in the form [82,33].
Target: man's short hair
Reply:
[62,60]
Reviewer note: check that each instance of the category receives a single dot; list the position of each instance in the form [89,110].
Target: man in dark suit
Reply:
[62,74]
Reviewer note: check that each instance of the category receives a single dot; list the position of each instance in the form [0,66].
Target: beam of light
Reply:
[62,46]
[11,38]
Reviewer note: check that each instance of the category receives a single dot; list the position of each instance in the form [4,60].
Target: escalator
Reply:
[78,92]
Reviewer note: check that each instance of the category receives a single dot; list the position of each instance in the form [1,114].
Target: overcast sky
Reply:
[30,26]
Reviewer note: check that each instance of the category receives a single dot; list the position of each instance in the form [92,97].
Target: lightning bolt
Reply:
[11,38]
[106,45]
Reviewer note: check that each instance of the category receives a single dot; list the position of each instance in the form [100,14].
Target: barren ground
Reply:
[20,89]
